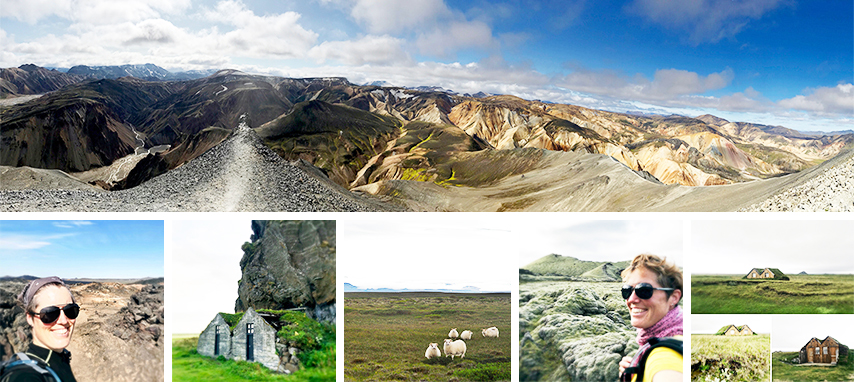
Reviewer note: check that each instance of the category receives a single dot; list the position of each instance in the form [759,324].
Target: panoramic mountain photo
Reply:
[381,105]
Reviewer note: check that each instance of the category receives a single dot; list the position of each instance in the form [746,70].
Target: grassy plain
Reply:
[785,371]
[802,294]
[730,358]
[188,365]
[386,335]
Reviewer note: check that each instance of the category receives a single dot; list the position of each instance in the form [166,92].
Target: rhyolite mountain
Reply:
[289,264]
[399,143]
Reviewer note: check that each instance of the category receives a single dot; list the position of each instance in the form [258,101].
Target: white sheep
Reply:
[466,334]
[433,351]
[490,332]
[453,333]
[457,347]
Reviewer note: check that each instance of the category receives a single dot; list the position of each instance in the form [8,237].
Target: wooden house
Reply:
[828,350]
[766,273]
[732,330]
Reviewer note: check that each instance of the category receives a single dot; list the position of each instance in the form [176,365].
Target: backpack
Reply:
[22,363]
[639,361]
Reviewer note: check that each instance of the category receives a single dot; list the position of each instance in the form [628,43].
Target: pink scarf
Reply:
[670,325]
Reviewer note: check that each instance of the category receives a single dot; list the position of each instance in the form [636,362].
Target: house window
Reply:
[816,351]
[825,350]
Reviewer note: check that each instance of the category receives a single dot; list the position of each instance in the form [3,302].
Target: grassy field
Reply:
[730,358]
[803,294]
[188,365]
[784,371]
[386,334]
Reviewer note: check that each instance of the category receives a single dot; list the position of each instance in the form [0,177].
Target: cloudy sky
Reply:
[793,331]
[792,246]
[779,62]
[486,253]
[82,248]
[205,270]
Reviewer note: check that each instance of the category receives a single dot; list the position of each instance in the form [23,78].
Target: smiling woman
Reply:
[652,289]
[51,313]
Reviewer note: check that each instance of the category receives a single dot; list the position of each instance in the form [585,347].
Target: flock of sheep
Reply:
[458,347]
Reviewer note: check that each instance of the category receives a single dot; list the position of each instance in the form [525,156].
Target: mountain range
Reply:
[391,142]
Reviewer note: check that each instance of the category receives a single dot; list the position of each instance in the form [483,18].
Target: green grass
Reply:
[386,335]
[188,365]
[785,371]
[803,294]
[730,358]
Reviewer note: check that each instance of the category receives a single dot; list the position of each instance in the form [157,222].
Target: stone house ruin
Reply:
[732,330]
[251,338]
[766,273]
[828,350]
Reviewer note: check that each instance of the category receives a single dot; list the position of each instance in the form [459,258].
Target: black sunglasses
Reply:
[643,290]
[51,313]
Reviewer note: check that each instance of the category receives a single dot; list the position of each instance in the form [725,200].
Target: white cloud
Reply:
[21,243]
[28,242]
[389,16]
[456,36]
[666,85]
[268,36]
[369,49]
[72,223]
[824,100]
[92,11]
[704,20]
[152,31]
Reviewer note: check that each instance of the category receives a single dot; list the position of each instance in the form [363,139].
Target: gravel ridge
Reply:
[831,191]
[239,174]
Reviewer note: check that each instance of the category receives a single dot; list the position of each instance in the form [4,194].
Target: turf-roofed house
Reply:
[254,336]
[828,351]
[766,273]
[732,330]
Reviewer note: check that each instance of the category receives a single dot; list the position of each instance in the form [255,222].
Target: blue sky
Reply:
[779,62]
[82,248]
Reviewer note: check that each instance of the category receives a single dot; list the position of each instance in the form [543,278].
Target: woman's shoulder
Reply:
[18,369]
[661,359]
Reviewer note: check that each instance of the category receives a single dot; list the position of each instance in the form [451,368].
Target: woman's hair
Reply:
[669,275]
[27,298]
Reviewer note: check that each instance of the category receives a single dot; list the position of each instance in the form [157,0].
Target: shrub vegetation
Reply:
[803,294]
[730,358]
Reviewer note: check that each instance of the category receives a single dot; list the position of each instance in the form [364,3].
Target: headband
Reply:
[30,290]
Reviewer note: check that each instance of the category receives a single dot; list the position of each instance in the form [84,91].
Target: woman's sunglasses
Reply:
[643,290]
[51,313]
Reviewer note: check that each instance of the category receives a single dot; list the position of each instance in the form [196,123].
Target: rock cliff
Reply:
[289,264]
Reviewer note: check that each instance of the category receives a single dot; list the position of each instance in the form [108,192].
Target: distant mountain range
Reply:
[469,289]
[144,281]
[31,79]
[148,72]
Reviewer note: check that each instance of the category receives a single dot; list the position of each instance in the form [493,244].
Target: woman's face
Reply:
[55,335]
[646,313]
